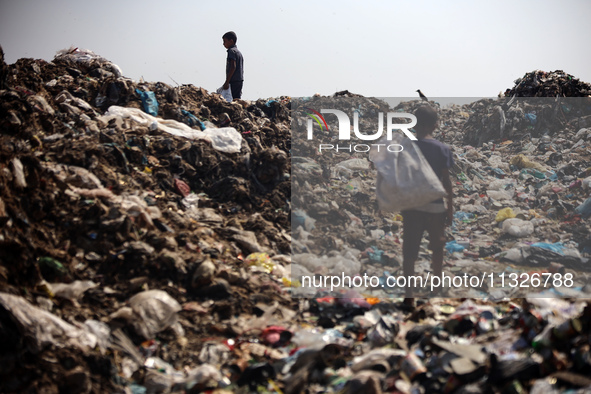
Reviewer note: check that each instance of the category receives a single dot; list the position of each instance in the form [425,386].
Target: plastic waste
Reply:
[505,213]
[225,93]
[276,336]
[355,164]
[88,59]
[586,183]
[518,228]
[344,262]
[214,353]
[522,161]
[499,195]
[542,256]
[453,246]
[378,359]
[544,386]
[42,328]
[301,218]
[149,102]
[557,247]
[72,291]
[374,253]
[514,254]
[224,139]
[383,332]
[202,374]
[78,177]
[465,217]
[191,120]
[52,265]
[150,312]
[19,174]
[261,260]
[584,209]
[102,331]
[412,367]
[532,171]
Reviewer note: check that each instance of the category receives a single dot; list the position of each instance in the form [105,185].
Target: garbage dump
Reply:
[152,243]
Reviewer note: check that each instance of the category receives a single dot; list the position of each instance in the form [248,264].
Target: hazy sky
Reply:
[298,48]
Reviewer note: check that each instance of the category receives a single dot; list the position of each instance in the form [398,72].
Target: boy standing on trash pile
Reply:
[234,65]
[435,215]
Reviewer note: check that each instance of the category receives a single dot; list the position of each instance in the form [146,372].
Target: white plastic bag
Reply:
[405,179]
[41,329]
[226,93]
[154,310]
[518,228]
[224,139]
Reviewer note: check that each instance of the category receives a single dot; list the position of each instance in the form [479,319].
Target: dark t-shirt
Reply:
[234,54]
[437,154]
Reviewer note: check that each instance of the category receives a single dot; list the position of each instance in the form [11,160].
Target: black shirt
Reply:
[234,54]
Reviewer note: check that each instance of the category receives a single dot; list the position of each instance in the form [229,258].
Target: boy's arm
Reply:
[445,179]
[230,73]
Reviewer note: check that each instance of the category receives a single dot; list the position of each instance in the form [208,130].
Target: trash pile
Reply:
[549,84]
[126,209]
[146,239]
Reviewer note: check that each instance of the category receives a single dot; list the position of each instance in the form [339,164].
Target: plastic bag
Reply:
[226,93]
[151,312]
[224,139]
[405,179]
[88,59]
[505,213]
[72,291]
[355,164]
[41,328]
[156,309]
[149,102]
[518,228]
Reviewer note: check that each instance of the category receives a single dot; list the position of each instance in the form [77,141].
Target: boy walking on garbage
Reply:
[234,65]
[435,215]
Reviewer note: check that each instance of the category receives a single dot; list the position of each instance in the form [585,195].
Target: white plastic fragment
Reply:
[42,328]
[152,312]
[518,228]
[101,331]
[72,291]
[19,173]
[355,164]
[224,139]
[88,58]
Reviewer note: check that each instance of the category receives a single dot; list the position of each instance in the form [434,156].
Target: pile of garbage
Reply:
[146,239]
[136,203]
[549,84]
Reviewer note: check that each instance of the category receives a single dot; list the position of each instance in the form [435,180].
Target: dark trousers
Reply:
[236,89]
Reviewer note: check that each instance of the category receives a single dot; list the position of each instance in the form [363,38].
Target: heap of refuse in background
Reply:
[145,240]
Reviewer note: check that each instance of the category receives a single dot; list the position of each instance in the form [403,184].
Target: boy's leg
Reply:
[413,226]
[436,230]
[236,89]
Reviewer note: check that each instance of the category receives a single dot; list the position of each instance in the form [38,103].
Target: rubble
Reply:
[549,84]
[153,253]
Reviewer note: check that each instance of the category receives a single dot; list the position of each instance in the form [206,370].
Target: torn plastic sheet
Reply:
[224,139]
[88,59]
[42,328]
[151,312]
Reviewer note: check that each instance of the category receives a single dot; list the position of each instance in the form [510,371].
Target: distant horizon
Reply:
[462,99]
[392,101]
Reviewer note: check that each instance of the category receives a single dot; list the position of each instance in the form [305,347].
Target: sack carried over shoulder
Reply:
[405,179]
